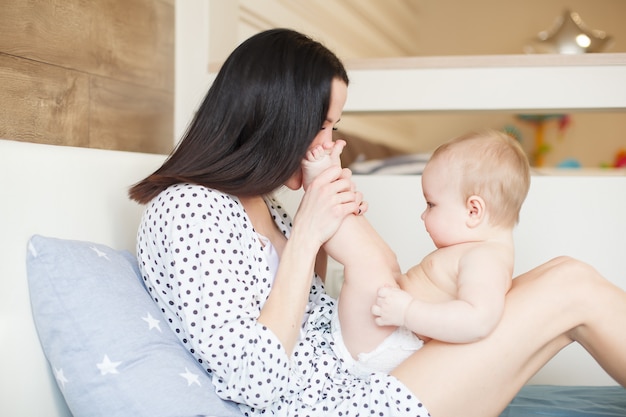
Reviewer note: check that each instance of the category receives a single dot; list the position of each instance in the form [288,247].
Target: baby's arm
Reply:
[483,281]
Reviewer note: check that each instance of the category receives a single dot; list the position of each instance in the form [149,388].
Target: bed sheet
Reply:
[568,401]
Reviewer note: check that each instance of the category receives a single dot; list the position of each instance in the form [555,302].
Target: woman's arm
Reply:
[327,201]
[321,264]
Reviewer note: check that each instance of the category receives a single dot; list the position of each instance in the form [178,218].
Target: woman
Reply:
[236,280]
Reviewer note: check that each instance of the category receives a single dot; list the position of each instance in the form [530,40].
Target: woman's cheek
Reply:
[295,181]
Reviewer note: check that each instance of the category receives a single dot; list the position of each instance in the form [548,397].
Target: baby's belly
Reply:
[417,283]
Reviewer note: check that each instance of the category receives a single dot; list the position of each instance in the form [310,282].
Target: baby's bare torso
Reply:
[435,278]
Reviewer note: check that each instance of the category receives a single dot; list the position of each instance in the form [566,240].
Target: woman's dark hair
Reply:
[265,107]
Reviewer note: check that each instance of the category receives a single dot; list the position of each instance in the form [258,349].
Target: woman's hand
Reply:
[361,204]
[328,200]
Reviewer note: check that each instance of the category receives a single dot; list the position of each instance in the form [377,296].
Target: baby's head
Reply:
[489,164]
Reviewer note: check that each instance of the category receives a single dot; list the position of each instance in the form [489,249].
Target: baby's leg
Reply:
[368,263]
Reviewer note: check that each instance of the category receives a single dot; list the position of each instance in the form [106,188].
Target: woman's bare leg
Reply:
[369,264]
[546,309]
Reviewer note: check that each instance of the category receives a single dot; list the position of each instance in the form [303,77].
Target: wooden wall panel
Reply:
[42,103]
[129,117]
[131,40]
[88,73]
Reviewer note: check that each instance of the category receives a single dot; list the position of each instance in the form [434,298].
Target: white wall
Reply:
[192,60]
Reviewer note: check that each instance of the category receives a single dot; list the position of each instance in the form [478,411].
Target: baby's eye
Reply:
[334,128]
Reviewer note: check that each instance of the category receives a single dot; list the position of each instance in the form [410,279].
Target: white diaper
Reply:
[396,347]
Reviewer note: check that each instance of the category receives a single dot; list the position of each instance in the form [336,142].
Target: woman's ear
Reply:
[476,211]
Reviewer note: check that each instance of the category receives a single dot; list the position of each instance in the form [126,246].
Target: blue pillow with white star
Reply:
[109,350]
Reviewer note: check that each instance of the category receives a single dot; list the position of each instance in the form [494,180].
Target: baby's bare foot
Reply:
[319,159]
[315,162]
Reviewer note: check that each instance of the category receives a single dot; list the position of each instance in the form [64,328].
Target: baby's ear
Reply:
[476,210]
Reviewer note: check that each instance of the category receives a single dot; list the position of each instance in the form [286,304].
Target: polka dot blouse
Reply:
[205,268]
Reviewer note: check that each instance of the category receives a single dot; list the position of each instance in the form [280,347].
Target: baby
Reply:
[474,188]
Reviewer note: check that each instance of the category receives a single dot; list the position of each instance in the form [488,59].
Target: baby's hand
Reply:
[391,305]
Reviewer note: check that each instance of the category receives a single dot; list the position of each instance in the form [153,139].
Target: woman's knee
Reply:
[572,270]
[575,284]
[564,279]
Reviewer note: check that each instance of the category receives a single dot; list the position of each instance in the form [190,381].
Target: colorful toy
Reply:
[620,159]
[618,162]
[538,121]
[569,163]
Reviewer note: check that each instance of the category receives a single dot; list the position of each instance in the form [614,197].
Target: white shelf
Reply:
[520,83]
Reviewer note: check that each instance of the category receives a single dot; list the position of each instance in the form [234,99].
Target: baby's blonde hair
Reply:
[492,165]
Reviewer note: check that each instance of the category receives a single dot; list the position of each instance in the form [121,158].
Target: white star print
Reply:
[32,250]
[108,367]
[152,322]
[190,377]
[61,379]
[99,253]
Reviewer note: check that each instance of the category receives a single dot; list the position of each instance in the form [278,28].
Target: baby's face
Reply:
[445,213]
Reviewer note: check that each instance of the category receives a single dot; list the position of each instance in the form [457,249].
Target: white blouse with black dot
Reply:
[205,268]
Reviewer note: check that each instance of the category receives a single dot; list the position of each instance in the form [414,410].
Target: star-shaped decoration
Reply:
[108,367]
[570,35]
[152,322]
[60,377]
[99,253]
[191,378]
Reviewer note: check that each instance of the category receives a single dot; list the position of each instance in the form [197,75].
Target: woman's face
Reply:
[338,95]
